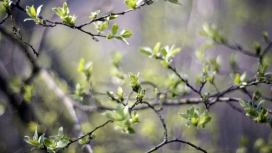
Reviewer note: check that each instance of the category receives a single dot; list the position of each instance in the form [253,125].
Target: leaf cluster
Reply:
[51,144]
[119,97]
[34,14]
[7,4]
[165,53]
[122,119]
[121,36]
[194,118]
[85,68]
[257,114]
[64,14]
[136,87]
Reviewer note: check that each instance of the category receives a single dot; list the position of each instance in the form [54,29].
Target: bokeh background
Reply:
[61,48]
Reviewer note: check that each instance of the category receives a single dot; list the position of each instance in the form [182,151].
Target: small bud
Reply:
[265,36]
[257,47]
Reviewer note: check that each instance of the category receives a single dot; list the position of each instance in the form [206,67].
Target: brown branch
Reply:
[176,140]
[90,133]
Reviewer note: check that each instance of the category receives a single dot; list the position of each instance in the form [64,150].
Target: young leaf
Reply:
[48,142]
[94,14]
[109,36]
[260,105]
[156,48]
[131,4]
[122,39]
[126,33]
[146,51]
[165,63]
[184,115]
[174,52]
[61,144]
[35,136]
[164,51]
[60,132]
[114,29]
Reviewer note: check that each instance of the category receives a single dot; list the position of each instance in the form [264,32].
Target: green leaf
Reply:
[174,52]
[206,28]
[243,77]
[191,111]
[122,39]
[34,142]
[58,11]
[165,63]
[120,92]
[81,66]
[126,33]
[184,115]
[164,51]
[61,144]
[265,68]
[146,51]
[195,121]
[60,132]
[84,140]
[120,115]
[130,130]
[41,138]
[109,36]
[203,33]
[260,105]
[26,138]
[114,29]
[265,35]
[134,117]
[33,12]
[112,17]
[243,103]
[113,116]
[89,67]
[50,150]
[156,48]
[65,8]
[48,142]
[94,14]
[35,136]
[131,3]
[28,92]
[123,111]
[237,79]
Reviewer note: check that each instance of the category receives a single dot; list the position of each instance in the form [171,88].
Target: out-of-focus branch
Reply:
[66,100]
[238,48]
[5,18]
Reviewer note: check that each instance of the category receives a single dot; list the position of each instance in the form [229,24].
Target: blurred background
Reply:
[61,48]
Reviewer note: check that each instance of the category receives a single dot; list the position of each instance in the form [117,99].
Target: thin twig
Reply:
[176,140]
[90,133]
[185,81]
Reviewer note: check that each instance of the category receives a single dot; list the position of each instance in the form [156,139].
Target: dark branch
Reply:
[176,140]
[90,133]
